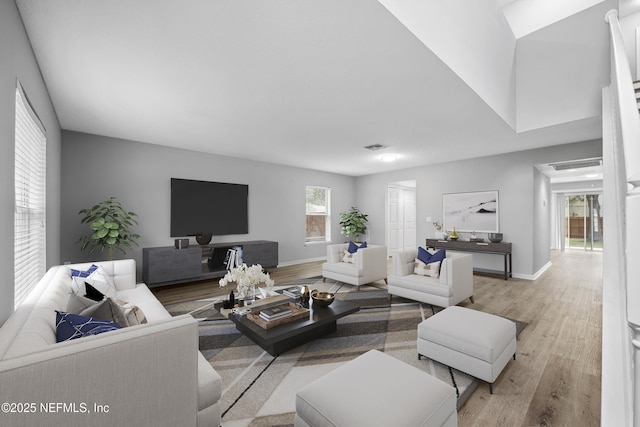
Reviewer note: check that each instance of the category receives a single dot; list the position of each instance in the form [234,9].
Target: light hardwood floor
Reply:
[555,379]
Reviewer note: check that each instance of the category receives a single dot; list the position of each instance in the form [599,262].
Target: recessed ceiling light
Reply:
[389,158]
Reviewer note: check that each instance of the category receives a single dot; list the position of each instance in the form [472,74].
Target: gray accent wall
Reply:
[19,63]
[511,174]
[138,175]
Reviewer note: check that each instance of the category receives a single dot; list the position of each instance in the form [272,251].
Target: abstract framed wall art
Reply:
[468,212]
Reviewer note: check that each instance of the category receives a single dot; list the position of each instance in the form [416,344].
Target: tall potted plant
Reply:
[109,226]
[353,223]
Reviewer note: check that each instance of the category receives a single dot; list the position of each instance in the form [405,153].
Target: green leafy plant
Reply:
[353,223]
[109,223]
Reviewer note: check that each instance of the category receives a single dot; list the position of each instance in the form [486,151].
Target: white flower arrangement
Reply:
[245,277]
[437,225]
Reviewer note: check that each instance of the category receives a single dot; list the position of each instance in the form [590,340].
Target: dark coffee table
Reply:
[321,321]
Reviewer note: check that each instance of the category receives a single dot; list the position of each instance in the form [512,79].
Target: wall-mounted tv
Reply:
[204,207]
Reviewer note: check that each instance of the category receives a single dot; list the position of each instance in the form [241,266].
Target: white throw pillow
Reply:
[431,269]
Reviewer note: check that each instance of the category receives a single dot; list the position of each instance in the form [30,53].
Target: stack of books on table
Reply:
[277,312]
[293,292]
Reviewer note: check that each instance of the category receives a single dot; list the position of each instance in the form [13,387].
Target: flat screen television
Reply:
[204,207]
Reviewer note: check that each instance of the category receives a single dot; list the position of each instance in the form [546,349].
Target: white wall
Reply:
[18,62]
[480,48]
[138,175]
[511,174]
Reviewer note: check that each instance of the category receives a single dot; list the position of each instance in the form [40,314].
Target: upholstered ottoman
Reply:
[375,389]
[479,344]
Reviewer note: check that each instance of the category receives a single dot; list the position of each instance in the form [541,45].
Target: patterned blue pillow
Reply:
[71,326]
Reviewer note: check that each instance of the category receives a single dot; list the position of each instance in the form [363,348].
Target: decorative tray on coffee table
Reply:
[297,312]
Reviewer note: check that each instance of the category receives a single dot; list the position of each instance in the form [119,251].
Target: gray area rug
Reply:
[259,389]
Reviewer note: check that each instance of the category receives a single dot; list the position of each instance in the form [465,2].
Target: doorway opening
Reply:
[583,221]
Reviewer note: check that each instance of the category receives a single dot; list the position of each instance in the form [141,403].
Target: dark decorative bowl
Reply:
[495,237]
[322,299]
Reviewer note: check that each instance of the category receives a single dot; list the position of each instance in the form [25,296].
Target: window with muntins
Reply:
[30,200]
[318,214]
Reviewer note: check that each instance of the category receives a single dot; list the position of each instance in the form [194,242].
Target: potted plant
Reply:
[109,223]
[353,223]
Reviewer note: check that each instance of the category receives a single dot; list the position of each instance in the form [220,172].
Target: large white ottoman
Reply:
[479,344]
[375,389]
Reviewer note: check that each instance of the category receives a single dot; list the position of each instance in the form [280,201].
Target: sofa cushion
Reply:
[71,326]
[209,384]
[345,268]
[423,284]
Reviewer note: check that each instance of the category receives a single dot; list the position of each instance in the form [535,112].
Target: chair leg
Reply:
[490,388]
[472,300]
[433,310]
[389,296]
[385,281]
[324,279]
[514,356]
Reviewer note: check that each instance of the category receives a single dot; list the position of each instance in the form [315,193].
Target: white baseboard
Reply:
[301,261]
[535,275]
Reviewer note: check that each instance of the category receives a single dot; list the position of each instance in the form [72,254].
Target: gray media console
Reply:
[167,265]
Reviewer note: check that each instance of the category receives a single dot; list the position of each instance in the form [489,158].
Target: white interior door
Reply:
[409,215]
[401,218]
[394,220]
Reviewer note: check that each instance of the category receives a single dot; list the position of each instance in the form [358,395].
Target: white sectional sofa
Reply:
[454,285]
[150,374]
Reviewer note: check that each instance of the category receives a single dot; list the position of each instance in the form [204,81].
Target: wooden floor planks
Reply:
[555,379]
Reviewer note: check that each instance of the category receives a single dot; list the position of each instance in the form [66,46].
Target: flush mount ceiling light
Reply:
[375,147]
[389,157]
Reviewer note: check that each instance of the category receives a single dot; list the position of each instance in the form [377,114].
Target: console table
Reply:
[501,248]
[167,265]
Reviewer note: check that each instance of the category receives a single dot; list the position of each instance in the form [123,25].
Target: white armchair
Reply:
[453,286]
[369,264]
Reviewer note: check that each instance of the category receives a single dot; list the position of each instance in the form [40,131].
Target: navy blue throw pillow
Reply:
[71,326]
[427,257]
[353,248]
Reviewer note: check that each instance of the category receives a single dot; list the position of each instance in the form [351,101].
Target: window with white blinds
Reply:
[30,205]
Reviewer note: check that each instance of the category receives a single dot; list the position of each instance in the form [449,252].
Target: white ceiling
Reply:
[309,83]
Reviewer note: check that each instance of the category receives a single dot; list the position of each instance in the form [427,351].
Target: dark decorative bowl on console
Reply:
[495,237]
[322,299]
